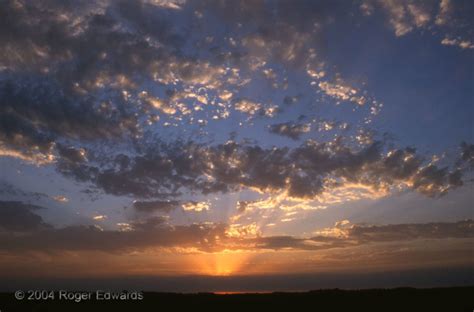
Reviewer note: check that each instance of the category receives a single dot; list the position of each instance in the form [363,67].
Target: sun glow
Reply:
[225,263]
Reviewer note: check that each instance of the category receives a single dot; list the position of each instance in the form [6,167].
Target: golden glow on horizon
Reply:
[222,263]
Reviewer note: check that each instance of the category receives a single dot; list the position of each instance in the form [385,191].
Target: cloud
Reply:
[451,19]
[403,232]
[302,172]
[463,44]
[195,206]
[208,237]
[99,217]
[72,72]
[16,216]
[60,198]
[151,233]
[445,9]
[169,205]
[72,154]
[87,31]
[467,153]
[346,235]
[8,190]
[246,106]
[434,181]
[75,74]
[403,16]
[242,205]
[82,85]
[157,205]
[289,129]
[341,91]
[127,98]
[105,70]
[35,114]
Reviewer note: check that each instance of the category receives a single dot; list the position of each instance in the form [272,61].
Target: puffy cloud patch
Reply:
[247,106]
[35,114]
[303,172]
[341,92]
[291,130]
[403,16]
[463,44]
[195,206]
[450,18]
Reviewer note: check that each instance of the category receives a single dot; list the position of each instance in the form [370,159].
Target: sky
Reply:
[247,145]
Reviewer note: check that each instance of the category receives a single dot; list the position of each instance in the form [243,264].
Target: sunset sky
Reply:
[246,144]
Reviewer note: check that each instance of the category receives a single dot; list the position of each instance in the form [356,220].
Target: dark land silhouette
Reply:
[396,299]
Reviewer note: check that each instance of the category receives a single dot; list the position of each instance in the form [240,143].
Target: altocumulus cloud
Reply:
[83,72]
[83,85]
[304,171]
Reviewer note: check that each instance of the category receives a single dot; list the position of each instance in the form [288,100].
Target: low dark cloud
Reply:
[467,154]
[242,205]
[354,235]
[72,154]
[290,100]
[156,206]
[8,190]
[157,233]
[151,233]
[292,130]
[402,232]
[16,216]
